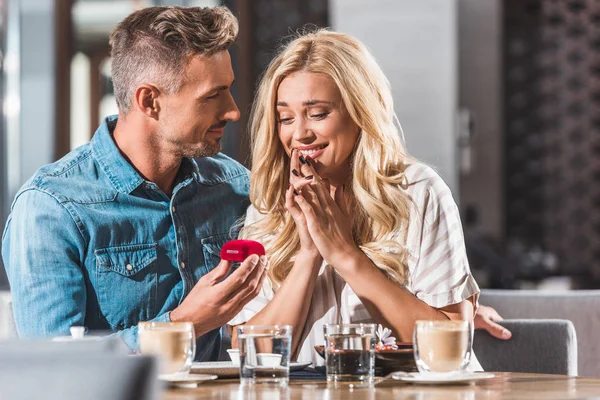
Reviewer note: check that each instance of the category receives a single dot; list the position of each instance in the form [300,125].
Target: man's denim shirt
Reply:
[90,242]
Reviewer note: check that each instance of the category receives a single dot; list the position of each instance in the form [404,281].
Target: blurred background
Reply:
[502,97]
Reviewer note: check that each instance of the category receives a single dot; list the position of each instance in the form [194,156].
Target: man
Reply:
[128,227]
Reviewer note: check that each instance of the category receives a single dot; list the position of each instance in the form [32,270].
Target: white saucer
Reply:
[226,369]
[186,380]
[441,379]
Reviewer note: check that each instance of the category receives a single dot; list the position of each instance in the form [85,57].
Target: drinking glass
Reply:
[173,342]
[265,354]
[442,346]
[350,352]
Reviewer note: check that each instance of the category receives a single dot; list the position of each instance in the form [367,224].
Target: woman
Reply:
[356,230]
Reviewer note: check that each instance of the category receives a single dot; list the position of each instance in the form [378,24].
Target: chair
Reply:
[61,372]
[7,322]
[112,345]
[546,346]
[581,307]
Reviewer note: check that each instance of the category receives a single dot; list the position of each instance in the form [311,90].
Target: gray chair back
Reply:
[547,346]
[7,321]
[581,307]
[111,345]
[61,372]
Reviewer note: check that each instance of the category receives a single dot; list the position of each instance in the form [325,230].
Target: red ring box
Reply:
[239,250]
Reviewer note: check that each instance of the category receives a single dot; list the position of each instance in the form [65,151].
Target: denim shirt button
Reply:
[129,267]
[182,265]
[173,208]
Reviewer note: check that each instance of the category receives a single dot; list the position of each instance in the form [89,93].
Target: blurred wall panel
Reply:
[480,95]
[552,141]
[37,119]
[415,42]
[4,201]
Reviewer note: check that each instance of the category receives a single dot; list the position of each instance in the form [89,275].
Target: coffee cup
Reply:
[173,342]
[442,346]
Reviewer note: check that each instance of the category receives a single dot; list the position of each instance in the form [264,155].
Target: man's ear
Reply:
[146,100]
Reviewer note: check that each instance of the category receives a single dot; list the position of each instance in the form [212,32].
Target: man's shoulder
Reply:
[219,169]
[75,177]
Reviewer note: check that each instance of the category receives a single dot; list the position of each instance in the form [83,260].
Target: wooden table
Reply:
[505,385]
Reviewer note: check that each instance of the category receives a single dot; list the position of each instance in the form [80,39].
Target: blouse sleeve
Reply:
[266,294]
[440,274]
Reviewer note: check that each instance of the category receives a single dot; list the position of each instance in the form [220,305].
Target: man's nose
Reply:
[232,112]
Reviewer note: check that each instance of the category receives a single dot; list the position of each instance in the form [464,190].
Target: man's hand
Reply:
[214,300]
[484,319]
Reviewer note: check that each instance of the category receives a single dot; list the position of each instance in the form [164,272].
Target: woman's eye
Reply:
[320,116]
[285,121]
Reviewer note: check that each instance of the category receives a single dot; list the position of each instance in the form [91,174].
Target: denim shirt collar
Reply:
[121,173]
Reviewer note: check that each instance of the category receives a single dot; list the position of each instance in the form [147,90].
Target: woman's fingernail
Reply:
[308,178]
[308,161]
[263,260]
[506,334]
[295,172]
[302,160]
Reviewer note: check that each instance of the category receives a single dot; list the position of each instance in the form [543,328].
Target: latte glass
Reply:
[173,342]
[442,346]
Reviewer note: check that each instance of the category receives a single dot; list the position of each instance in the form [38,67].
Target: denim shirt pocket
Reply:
[211,248]
[127,283]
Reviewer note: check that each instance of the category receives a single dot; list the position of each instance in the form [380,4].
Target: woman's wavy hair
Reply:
[380,206]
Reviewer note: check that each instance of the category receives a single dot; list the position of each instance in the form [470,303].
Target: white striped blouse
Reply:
[439,273]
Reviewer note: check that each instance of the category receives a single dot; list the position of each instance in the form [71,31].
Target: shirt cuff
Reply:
[467,289]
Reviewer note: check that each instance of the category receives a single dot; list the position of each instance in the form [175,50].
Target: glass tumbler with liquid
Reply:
[173,342]
[442,346]
[350,352]
[265,354]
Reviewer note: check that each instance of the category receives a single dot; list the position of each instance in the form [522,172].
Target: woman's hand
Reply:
[327,219]
[297,182]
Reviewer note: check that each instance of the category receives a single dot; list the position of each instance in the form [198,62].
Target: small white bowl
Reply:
[269,359]
[234,354]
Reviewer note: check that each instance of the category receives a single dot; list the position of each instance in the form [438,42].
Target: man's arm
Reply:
[42,248]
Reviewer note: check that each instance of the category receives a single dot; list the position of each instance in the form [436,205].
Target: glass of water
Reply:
[350,352]
[265,353]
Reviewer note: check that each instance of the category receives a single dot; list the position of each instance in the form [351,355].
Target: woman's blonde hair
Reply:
[380,206]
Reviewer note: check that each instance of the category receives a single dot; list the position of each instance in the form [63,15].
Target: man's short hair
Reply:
[154,45]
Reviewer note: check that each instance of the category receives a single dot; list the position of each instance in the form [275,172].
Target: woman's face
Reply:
[312,119]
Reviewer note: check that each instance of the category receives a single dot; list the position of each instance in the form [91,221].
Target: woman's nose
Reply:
[303,133]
